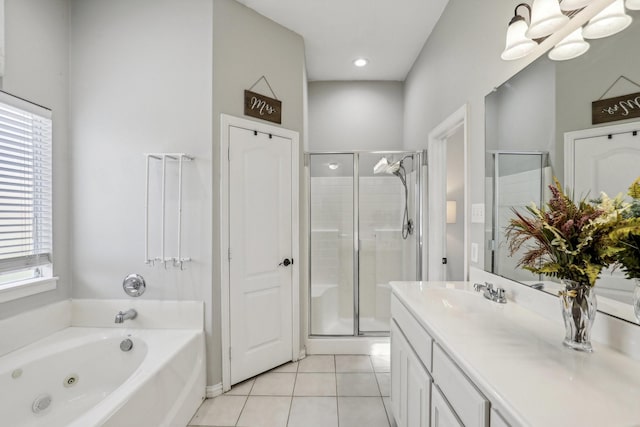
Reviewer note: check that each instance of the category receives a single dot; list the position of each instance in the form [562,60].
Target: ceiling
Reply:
[389,33]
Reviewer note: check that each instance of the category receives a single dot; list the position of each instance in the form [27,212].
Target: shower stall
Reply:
[515,180]
[365,216]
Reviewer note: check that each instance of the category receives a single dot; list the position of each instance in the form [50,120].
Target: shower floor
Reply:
[344,326]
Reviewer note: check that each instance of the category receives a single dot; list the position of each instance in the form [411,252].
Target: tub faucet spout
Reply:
[126,315]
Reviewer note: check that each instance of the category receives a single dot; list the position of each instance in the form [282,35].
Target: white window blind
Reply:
[25,185]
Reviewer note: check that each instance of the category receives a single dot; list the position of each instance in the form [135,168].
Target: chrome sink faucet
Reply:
[496,295]
[126,315]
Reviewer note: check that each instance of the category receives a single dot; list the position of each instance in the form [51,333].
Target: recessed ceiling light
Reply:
[360,62]
[333,166]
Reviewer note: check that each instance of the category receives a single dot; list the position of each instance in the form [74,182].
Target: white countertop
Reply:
[516,358]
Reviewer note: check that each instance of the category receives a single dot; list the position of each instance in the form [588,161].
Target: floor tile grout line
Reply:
[375,374]
[246,398]
[293,393]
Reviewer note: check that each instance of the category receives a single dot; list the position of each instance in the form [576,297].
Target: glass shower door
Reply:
[387,234]
[332,244]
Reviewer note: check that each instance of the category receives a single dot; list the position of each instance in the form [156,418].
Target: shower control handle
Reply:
[287,262]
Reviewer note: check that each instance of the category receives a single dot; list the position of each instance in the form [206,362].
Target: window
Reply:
[25,193]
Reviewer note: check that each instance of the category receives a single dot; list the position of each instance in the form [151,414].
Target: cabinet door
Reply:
[398,375]
[418,393]
[441,414]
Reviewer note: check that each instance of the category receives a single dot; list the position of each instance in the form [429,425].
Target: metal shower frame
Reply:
[420,160]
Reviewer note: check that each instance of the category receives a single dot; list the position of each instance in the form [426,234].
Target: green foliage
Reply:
[626,236]
[565,239]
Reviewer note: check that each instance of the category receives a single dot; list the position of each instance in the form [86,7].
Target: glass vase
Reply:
[636,299]
[579,307]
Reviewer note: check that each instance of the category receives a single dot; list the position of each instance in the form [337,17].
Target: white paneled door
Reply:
[260,240]
[607,162]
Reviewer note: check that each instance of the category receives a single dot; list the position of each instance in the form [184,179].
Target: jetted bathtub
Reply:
[81,377]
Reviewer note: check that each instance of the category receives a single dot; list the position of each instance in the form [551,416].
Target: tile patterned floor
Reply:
[318,391]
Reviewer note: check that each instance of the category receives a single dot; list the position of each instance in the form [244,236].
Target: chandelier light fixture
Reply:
[546,17]
[518,45]
[569,5]
[570,47]
[610,21]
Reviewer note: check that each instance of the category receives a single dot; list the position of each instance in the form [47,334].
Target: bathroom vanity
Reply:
[458,359]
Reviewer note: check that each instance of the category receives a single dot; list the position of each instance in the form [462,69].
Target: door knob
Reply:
[287,262]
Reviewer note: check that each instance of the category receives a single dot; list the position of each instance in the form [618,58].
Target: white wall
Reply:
[363,115]
[36,34]
[140,81]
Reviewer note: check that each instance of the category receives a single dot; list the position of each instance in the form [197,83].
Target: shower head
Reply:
[383,167]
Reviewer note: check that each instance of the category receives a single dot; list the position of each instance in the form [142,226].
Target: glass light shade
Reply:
[573,4]
[518,45]
[570,47]
[633,4]
[610,21]
[546,18]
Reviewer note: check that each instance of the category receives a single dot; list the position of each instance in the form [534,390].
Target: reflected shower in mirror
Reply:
[516,179]
[537,110]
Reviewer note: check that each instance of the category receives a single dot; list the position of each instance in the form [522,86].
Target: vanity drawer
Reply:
[469,404]
[420,340]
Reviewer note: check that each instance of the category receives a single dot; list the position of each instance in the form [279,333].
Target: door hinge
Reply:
[229,254]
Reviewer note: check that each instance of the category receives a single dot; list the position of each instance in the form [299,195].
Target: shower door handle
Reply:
[287,262]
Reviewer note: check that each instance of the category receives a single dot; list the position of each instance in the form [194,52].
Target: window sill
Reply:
[25,288]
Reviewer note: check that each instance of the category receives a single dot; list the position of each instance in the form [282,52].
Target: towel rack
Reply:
[178,260]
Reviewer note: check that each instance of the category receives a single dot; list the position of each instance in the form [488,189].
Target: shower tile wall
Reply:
[517,190]
[384,256]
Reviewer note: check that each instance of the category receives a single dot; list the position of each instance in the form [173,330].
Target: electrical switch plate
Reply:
[477,213]
[474,252]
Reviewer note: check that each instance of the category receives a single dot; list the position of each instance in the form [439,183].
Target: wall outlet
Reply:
[477,213]
[474,252]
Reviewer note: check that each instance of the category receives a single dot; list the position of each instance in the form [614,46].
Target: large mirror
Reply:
[528,119]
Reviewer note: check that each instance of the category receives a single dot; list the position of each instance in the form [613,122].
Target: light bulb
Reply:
[360,62]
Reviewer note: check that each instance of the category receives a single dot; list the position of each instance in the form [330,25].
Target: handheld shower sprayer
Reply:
[397,168]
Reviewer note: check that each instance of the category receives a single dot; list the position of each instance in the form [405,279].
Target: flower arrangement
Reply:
[626,236]
[572,240]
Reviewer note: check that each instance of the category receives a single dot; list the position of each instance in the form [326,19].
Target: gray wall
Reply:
[140,81]
[36,34]
[246,46]
[458,67]
[354,115]
[521,114]
[586,78]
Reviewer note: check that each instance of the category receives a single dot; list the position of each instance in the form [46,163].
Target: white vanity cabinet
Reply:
[427,388]
[467,361]
[410,383]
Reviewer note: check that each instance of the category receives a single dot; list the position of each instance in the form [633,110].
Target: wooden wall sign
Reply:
[262,107]
[613,109]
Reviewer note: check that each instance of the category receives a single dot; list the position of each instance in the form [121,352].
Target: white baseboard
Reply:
[360,345]
[213,390]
